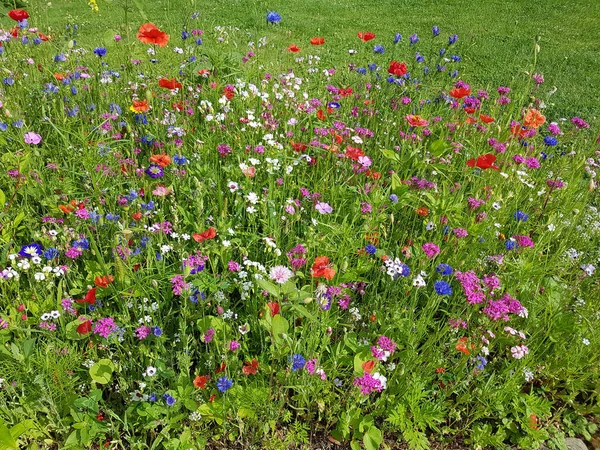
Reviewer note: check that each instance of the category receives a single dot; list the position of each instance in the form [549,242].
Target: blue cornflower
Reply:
[550,141]
[394,198]
[199,41]
[273,17]
[361,70]
[50,88]
[144,240]
[100,51]
[224,384]
[426,70]
[452,39]
[23,23]
[371,249]
[511,244]
[112,217]
[372,67]
[180,159]
[442,288]
[184,35]
[333,105]
[521,216]
[454,74]
[95,217]
[141,119]
[456,58]
[132,195]
[298,362]
[73,90]
[147,139]
[152,397]
[148,206]
[413,39]
[435,30]
[51,253]
[82,244]
[37,41]
[24,40]
[157,331]
[73,111]
[169,400]
[442,51]
[419,58]
[61,57]
[397,38]
[115,109]
[379,49]
[3,126]
[8,81]
[444,269]
[481,362]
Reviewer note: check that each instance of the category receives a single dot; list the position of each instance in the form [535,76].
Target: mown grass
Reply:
[501,35]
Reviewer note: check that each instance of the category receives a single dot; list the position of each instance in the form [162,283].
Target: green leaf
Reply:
[269,287]
[2,198]
[390,154]
[102,371]
[6,439]
[28,347]
[372,438]
[279,326]
[439,147]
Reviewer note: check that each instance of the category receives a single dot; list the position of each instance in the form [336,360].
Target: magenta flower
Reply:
[430,249]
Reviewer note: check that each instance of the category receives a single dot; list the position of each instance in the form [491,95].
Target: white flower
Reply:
[251,209]
[226,243]
[551,227]
[39,276]
[528,374]
[586,341]
[54,314]
[150,371]
[45,317]
[252,198]
[496,206]
[418,281]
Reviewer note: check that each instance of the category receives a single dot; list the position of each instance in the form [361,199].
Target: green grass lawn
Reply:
[497,37]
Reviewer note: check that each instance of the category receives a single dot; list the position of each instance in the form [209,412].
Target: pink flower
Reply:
[162,191]
[32,138]
[280,274]
[519,351]
[431,250]
[323,208]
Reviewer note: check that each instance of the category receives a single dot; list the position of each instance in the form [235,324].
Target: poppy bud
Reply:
[148,96]
[21,307]
[154,283]
[24,317]
[220,310]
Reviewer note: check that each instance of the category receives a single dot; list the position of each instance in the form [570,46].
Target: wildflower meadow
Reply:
[218,237]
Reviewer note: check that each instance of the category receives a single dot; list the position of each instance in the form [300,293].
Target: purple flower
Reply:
[32,138]
[155,171]
[323,208]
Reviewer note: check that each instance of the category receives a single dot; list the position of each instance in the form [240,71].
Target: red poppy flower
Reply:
[368,366]
[136,216]
[460,92]
[534,118]
[204,72]
[299,146]
[484,162]
[162,160]
[104,281]
[293,48]
[470,110]
[221,368]
[317,41]
[205,235]
[354,153]
[85,327]
[366,37]
[18,14]
[321,115]
[486,119]
[345,92]
[200,381]
[140,106]
[150,34]
[90,297]
[416,121]
[397,68]
[322,268]
[43,37]
[462,346]
[471,120]
[250,368]
[274,307]
[169,84]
